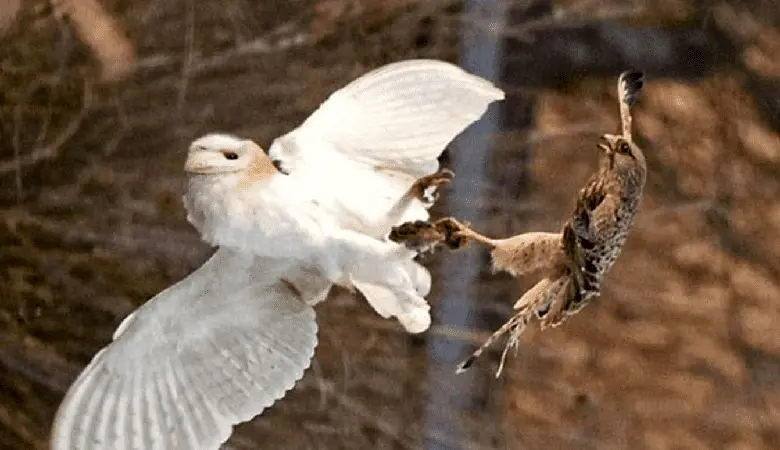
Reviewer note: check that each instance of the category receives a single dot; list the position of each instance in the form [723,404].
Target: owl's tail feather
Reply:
[385,273]
[411,310]
[398,290]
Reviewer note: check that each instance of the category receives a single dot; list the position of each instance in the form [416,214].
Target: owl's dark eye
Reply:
[624,147]
[230,155]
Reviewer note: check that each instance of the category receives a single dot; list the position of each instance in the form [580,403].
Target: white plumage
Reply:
[211,351]
[229,340]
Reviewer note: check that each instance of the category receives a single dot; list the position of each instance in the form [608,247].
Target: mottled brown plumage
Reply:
[574,261]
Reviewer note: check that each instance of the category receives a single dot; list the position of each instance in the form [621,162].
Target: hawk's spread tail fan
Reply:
[212,351]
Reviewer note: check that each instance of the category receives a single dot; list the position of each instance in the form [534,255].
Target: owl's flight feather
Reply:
[230,339]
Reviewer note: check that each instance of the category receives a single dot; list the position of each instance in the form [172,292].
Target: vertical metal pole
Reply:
[451,395]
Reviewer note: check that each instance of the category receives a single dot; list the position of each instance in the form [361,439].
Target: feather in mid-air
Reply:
[226,342]
[573,261]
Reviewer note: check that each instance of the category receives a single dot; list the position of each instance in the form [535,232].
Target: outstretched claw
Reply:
[424,236]
[426,189]
[458,234]
[420,236]
[451,229]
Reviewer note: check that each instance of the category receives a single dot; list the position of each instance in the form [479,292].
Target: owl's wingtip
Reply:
[465,365]
[631,83]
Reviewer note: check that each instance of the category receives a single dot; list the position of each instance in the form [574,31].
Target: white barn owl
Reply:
[226,342]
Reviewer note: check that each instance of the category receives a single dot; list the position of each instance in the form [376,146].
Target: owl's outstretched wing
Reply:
[211,351]
[368,142]
[361,151]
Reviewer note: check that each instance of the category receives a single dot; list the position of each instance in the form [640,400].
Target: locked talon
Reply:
[452,231]
[456,241]
[420,236]
[448,224]
[406,230]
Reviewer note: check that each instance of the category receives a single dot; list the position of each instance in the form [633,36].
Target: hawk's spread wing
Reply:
[368,142]
[209,352]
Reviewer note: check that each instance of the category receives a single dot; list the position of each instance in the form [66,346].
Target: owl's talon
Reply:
[426,189]
[420,236]
[450,228]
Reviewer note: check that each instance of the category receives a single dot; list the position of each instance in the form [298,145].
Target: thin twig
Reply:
[186,67]
[52,150]
[365,414]
[17,162]
[37,362]
[122,118]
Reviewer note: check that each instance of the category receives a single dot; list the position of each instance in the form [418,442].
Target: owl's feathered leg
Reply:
[528,252]
[392,283]
[426,189]
[458,234]
[517,255]
[422,235]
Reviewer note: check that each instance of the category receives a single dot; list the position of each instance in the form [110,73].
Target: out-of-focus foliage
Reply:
[681,351]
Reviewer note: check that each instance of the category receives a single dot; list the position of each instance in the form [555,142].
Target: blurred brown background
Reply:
[101,97]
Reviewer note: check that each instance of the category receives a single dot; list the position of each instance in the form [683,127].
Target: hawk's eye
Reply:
[230,155]
[624,148]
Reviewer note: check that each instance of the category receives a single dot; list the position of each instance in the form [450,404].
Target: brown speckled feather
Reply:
[575,260]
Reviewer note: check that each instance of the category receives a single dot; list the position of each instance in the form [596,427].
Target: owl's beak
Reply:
[610,142]
[202,163]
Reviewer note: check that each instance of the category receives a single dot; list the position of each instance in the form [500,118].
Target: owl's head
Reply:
[623,156]
[220,153]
